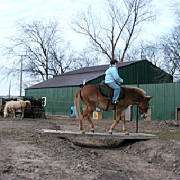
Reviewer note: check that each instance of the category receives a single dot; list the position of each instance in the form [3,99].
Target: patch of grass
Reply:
[10,133]
[169,134]
[18,134]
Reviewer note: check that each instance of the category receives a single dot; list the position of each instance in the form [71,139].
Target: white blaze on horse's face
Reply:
[144,116]
[144,105]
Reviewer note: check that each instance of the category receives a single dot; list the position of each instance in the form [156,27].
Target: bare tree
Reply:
[150,51]
[165,52]
[84,58]
[170,46]
[122,21]
[41,48]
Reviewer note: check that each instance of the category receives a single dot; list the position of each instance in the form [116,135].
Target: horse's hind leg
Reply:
[90,123]
[89,112]
[84,107]
[86,113]
[81,125]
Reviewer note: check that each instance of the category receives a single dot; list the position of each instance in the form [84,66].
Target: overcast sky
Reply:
[12,11]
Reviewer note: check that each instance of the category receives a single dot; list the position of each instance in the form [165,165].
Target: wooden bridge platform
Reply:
[97,139]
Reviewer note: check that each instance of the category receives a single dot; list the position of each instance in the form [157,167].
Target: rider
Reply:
[113,80]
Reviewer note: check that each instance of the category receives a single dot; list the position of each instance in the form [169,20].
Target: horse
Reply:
[91,98]
[12,106]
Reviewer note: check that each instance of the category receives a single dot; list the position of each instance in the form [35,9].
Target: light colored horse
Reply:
[12,106]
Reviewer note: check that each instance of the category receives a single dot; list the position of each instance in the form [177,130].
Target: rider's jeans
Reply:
[116,88]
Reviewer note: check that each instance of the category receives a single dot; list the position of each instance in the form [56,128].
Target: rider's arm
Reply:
[116,75]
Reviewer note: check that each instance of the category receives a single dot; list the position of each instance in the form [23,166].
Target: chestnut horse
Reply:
[91,98]
[12,106]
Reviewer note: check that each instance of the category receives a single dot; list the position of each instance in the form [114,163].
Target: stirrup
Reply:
[115,102]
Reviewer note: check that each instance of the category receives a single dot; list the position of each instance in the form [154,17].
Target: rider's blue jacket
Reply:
[112,75]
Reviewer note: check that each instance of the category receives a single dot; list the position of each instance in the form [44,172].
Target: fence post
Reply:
[137,108]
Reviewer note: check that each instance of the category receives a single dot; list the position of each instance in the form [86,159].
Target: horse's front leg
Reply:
[22,116]
[116,121]
[124,123]
[13,113]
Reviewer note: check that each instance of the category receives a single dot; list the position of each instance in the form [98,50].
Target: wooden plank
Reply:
[90,139]
[98,134]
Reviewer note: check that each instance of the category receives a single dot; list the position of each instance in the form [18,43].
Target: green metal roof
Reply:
[142,72]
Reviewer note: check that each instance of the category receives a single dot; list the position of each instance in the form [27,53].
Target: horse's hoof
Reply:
[92,130]
[126,133]
[110,132]
[82,132]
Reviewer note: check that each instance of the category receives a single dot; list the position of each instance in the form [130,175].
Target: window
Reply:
[44,101]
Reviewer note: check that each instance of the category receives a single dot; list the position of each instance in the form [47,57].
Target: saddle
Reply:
[106,91]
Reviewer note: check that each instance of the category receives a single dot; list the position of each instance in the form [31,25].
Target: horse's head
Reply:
[28,104]
[144,105]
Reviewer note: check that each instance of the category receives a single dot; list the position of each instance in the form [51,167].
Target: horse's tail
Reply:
[5,110]
[77,103]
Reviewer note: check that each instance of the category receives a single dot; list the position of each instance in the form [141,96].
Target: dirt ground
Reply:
[26,154]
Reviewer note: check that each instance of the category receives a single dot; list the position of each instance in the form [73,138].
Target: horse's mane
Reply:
[15,103]
[136,90]
[27,101]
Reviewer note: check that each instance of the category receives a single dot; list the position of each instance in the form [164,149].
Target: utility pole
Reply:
[21,76]
[137,109]
[10,89]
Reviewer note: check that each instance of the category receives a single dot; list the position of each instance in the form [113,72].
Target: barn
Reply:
[59,91]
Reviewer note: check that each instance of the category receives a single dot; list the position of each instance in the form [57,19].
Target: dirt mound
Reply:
[25,154]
